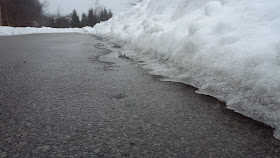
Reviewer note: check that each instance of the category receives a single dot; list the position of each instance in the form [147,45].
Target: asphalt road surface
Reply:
[62,95]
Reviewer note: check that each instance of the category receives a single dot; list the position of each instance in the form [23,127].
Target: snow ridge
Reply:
[11,31]
[228,49]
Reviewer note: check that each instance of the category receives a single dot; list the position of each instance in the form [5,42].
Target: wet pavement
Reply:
[62,95]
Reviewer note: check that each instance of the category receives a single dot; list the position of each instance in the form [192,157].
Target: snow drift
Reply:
[228,49]
[9,31]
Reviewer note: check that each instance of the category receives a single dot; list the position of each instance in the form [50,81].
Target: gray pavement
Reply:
[61,95]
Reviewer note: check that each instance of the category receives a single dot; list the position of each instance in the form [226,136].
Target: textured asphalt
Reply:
[62,95]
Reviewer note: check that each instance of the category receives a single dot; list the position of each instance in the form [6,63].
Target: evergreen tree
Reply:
[75,21]
[62,22]
[92,18]
[84,21]
[110,14]
[104,15]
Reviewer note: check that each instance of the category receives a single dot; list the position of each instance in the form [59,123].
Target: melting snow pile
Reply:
[229,49]
[8,31]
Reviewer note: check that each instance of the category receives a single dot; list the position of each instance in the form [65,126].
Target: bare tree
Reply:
[45,5]
[58,12]
[1,17]
[21,12]
[96,7]
[132,2]
[96,3]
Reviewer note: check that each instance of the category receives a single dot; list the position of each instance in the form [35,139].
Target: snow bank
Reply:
[8,31]
[228,49]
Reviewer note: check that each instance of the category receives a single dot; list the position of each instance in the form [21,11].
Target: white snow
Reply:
[228,49]
[9,31]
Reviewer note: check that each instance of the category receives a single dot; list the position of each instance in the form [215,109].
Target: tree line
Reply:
[73,20]
[22,13]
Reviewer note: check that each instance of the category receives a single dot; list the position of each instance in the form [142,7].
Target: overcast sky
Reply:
[67,6]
